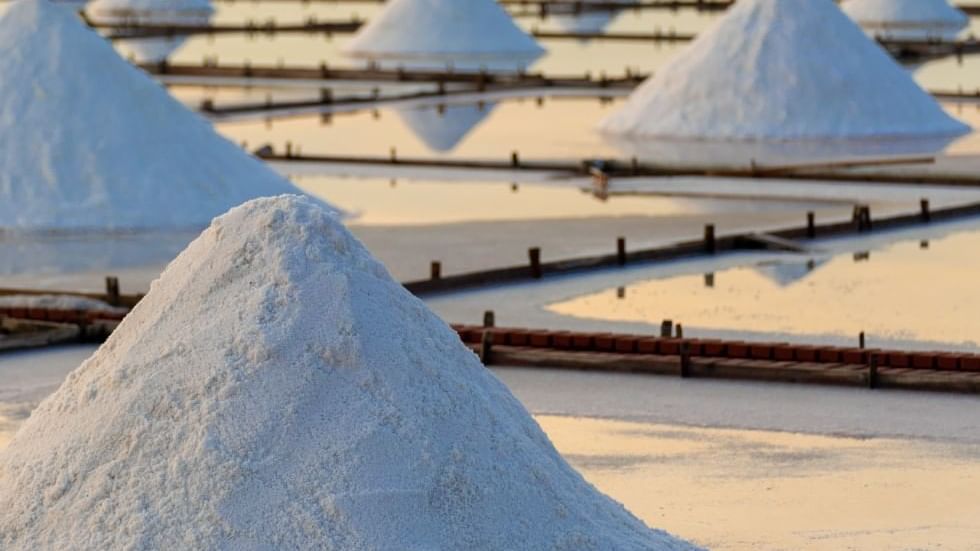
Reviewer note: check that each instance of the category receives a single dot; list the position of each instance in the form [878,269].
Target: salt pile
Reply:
[587,21]
[782,70]
[276,389]
[89,142]
[152,12]
[442,128]
[467,34]
[907,19]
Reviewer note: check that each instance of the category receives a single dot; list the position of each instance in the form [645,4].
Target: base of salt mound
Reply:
[277,389]
[150,50]
[772,70]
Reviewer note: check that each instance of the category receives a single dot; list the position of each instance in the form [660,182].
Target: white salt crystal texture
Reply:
[462,33]
[782,70]
[277,389]
[89,142]
[907,19]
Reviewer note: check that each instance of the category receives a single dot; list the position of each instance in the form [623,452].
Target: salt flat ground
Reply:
[733,466]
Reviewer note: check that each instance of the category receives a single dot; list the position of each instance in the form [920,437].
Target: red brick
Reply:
[738,350]
[540,339]
[518,337]
[59,315]
[562,340]
[854,356]
[626,344]
[805,353]
[829,355]
[647,345]
[899,359]
[695,347]
[783,353]
[37,313]
[970,363]
[582,341]
[760,351]
[713,348]
[669,347]
[923,360]
[605,342]
[948,362]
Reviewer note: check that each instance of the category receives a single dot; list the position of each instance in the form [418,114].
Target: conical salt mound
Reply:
[460,32]
[442,129]
[276,389]
[909,19]
[782,70]
[88,141]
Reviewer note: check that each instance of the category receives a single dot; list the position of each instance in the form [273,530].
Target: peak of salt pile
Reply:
[465,33]
[782,70]
[277,389]
[908,19]
[88,141]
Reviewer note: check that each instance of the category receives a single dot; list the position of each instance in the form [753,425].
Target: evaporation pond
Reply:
[907,292]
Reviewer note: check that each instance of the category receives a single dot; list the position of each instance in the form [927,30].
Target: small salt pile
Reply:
[442,128]
[152,12]
[89,142]
[277,389]
[782,70]
[907,19]
[464,34]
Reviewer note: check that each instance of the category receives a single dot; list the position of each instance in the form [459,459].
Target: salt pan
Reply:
[277,389]
[907,19]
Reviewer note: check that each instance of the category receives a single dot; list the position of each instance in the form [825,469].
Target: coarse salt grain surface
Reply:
[461,30]
[89,142]
[782,70]
[277,389]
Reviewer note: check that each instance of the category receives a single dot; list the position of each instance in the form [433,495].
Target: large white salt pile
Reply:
[442,128]
[466,34]
[152,12]
[907,19]
[88,141]
[782,70]
[276,389]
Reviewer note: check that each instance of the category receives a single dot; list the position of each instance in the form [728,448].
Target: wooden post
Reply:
[666,329]
[811,225]
[709,239]
[685,360]
[289,149]
[926,213]
[861,340]
[515,160]
[534,256]
[621,251]
[489,318]
[435,270]
[709,280]
[679,331]
[326,95]
[873,371]
[393,154]
[112,290]
[486,348]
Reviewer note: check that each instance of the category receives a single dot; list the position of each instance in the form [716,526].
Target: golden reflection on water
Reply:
[907,291]
[735,490]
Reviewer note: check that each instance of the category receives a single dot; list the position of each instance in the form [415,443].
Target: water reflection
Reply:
[120,12]
[443,127]
[900,293]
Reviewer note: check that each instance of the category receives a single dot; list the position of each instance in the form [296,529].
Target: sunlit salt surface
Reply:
[910,291]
